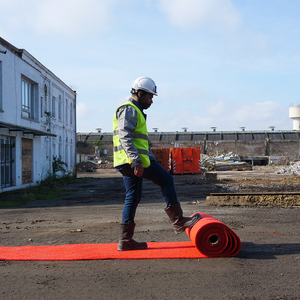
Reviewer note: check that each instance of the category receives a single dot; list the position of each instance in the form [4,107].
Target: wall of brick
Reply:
[285,148]
[289,148]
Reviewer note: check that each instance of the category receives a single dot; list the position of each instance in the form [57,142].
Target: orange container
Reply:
[163,157]
[186,160]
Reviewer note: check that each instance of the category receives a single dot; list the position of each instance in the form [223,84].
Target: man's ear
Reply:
[140,94]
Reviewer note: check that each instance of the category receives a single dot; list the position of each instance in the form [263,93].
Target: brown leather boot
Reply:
[180,223]
[126,242]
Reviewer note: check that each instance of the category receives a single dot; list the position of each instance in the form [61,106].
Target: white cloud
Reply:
[90,116]
[81,110]
[224,114]
[73,16]
[218,15]
[229,115]
[68,17]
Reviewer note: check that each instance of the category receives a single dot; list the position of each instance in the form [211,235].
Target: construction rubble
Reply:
[92,166]
[225,162]
[294,169]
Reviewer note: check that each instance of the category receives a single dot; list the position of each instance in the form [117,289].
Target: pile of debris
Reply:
[228,157]
[105,164]
[231,166]
[225,162]
[91,166]
[86,166]
[294,169]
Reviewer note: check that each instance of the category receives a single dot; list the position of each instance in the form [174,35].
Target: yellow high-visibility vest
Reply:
[140,140]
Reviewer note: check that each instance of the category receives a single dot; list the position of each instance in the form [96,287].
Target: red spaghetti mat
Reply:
[213,238]
[209,238]
[99,251]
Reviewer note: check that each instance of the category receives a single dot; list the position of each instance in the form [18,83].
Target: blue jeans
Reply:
[133,184]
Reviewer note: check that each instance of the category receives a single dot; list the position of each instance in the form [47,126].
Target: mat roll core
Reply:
[213,238]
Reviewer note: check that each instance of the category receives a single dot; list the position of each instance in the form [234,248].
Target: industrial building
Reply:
[256,147]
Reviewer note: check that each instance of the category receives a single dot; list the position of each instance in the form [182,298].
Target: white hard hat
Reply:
[145,84]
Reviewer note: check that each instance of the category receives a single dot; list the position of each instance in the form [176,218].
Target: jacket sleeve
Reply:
[127,122]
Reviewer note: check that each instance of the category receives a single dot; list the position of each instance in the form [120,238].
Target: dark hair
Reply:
[135,92]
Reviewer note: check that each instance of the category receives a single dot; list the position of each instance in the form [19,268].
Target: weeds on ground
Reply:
[44,190]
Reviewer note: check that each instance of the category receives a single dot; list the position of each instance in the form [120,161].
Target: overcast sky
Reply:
[216,63]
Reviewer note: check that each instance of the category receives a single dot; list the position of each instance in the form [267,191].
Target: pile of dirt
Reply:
[269,200]
[261,181]
[90,166]
[106,165]
[86,166]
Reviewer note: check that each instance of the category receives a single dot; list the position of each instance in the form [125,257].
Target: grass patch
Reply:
[45,190]
[14,199]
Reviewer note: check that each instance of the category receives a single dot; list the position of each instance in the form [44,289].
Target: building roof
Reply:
[10,47]
[199,136]
[22,53]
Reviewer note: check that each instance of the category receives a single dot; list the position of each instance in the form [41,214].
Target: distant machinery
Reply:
[294,114]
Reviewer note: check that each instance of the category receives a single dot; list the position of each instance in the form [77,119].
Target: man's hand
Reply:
[138,170]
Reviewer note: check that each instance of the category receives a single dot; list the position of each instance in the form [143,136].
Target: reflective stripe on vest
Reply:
[140,140]
[135,135]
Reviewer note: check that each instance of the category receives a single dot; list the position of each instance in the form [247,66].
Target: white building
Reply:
[37,119]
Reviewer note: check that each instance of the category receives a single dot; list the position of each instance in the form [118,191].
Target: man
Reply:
[134,159]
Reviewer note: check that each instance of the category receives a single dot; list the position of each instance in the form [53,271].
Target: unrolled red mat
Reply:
[209,238]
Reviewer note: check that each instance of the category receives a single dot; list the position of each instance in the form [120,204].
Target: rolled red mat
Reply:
[213,238]
[209,238]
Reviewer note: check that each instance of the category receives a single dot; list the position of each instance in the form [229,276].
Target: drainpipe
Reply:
[75,141]
[50,129]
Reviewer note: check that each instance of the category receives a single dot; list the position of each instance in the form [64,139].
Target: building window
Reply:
[41,106]
[6,161]
[71,153]
[1,107]
[71,114]
[60,147]
[47,150]
[59,107]
[45,92]
[66,111]
[53,107]
[28,99]
[54,147]
[67,152]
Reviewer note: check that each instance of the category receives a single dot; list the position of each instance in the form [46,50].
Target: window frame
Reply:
[1,101]
[71,114]
[66,121]
[28,98]
[53,106]
[7,146]
[59,108]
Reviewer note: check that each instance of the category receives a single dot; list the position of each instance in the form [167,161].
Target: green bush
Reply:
[58,165]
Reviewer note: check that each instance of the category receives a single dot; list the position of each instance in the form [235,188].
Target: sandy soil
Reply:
[267,267]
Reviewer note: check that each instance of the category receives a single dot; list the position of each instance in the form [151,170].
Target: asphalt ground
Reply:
[267,267]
